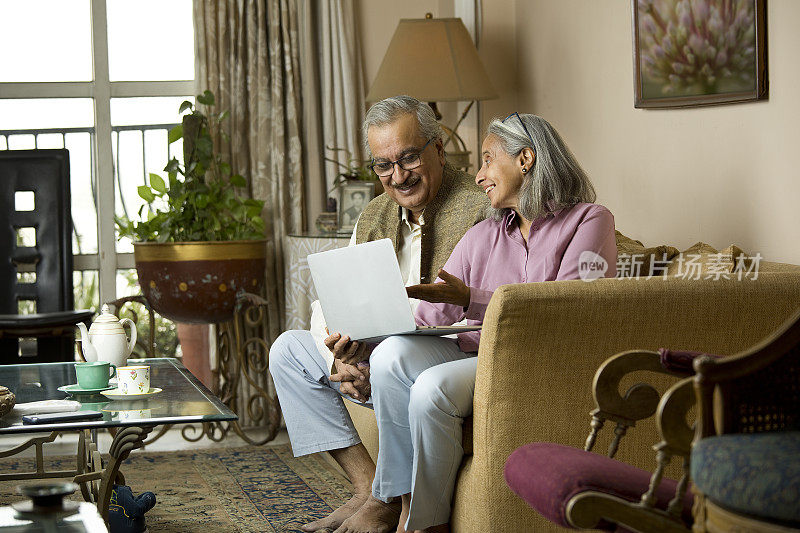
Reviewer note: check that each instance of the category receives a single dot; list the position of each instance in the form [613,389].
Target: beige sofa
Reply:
[541,345]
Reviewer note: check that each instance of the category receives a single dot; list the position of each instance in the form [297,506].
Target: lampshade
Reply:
[433,60]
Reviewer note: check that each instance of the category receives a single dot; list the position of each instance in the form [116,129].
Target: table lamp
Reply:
[434,60]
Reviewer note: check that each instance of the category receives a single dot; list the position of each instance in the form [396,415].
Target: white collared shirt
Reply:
[408,256]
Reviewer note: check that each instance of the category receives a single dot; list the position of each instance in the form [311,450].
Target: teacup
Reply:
[133,379]
[94,375]
[134,414]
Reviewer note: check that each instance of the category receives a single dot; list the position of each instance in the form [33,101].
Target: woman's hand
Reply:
[345,350]
[451,291]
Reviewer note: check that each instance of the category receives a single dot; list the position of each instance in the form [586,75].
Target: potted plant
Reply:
[353,170]
[200,239]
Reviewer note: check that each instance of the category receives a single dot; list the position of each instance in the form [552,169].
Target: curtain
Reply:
[248,56]
[333,93]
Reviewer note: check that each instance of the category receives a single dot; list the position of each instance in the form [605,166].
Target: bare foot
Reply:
[374,516]
[335,519]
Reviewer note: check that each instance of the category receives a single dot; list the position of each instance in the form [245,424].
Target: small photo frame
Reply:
[689,54]
[353,198]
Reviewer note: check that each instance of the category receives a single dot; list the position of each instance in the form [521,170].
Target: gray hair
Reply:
[390,109]
[556,180]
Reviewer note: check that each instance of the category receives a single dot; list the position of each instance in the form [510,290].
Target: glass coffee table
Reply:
[183,400]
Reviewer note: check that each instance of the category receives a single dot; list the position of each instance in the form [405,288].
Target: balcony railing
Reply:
[20,139]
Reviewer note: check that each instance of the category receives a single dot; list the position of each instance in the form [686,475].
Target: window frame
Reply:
[101,90]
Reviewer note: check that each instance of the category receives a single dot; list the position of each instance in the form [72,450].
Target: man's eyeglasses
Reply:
[515,114]
[407,162]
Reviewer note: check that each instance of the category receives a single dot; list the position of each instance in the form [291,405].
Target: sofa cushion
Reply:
[771,266]
[703,261]
[755,474]
[548,475]
[680,361]
[635,260]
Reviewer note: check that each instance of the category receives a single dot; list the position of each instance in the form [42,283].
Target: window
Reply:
[104,79]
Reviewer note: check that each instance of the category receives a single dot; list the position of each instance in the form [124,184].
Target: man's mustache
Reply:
[406,184]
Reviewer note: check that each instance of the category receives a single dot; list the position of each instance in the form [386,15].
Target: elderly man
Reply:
[427,208]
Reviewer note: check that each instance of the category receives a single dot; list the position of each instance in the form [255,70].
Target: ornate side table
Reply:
[299,286]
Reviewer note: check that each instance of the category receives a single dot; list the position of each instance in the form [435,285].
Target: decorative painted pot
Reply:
[197,282]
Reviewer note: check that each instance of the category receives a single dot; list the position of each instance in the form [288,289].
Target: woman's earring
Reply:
[524,170]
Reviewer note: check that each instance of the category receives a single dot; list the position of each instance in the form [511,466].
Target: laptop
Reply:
[363,295]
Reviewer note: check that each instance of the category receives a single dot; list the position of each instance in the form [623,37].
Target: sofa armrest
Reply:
[541,343]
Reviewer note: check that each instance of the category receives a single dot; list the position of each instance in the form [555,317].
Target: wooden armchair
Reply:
[745,463]
[578,489]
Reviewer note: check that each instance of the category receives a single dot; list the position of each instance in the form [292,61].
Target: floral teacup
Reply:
[133,379]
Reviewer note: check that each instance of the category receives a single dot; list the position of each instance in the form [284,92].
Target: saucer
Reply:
[77,389]
[115,394]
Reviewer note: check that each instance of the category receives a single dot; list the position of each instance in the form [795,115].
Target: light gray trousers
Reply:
[422,388]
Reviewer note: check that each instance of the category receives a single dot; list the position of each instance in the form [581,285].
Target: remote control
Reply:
[61,417]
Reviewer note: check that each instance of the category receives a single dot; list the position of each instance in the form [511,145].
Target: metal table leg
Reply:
[98,482]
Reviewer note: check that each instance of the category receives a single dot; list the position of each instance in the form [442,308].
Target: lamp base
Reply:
[459,160]
[459,155]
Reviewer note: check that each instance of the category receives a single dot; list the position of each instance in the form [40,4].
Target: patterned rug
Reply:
[248,490]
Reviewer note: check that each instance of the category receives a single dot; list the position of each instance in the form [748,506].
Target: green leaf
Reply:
[207,98]
[157,183]
[172,166]
[146,194]
[225,168]
[185,105]
[175,133]
[238,181]
[258,222]
[204,146]
[201,201]
[222,116]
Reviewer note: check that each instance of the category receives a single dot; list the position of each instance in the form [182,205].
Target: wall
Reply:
[378,19]
[723,174]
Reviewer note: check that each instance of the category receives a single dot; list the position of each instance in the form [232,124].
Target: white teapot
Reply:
[106,339]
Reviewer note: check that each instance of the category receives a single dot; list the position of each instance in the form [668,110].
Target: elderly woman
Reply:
[542,226]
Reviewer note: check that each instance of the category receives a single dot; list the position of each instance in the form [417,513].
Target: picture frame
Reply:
[353,198]
[689,54]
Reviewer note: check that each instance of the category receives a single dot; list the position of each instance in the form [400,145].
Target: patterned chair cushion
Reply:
[755,474]
[548,475]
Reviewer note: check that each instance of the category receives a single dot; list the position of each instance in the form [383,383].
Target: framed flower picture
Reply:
[690,53]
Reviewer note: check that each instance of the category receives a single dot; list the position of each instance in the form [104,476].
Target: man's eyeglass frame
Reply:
[515,114]
[397,162]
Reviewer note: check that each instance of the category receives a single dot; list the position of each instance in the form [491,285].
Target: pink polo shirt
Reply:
[493,253]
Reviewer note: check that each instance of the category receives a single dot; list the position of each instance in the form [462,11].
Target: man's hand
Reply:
[452,291]
[345,350]
[353,380]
